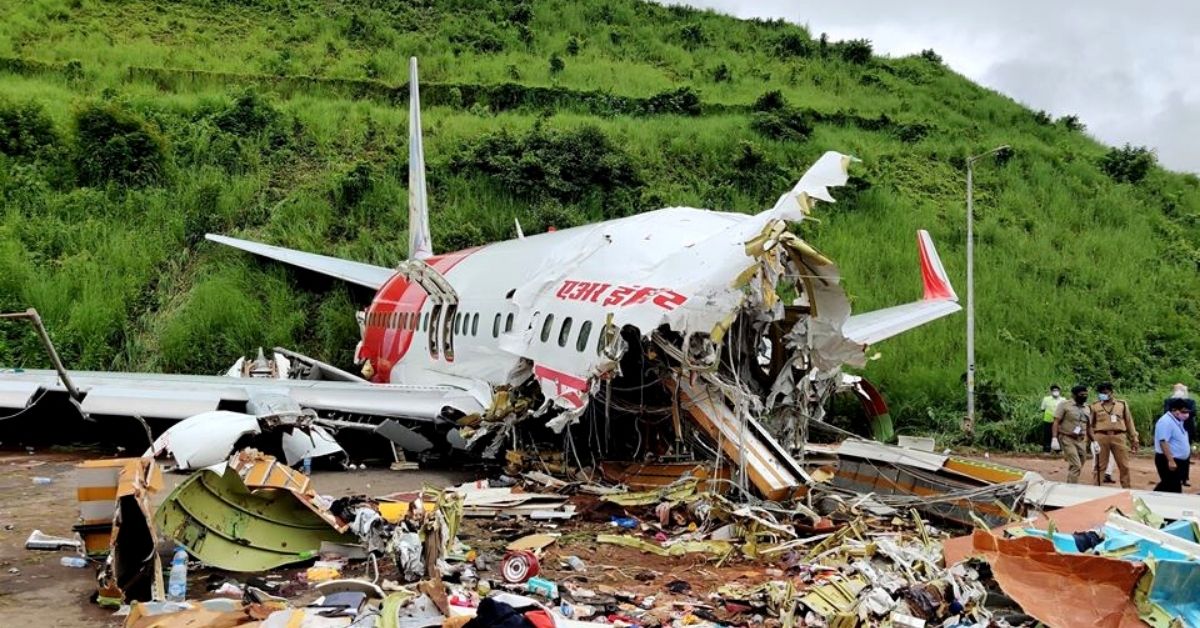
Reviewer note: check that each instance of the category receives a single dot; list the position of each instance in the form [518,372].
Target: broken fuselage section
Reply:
[674,334]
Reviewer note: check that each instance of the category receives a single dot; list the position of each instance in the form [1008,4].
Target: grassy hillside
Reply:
[128,129]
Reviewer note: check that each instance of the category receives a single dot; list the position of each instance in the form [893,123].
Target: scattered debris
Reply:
[38,540]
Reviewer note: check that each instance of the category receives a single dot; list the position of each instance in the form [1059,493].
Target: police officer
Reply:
[1112,426]
[1071,430]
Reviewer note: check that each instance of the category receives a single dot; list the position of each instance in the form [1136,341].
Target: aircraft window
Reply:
[433,324]
[565,332]
[448,338]
[408,320]
[475,324]
[458,323]
[395,322]
[584,331]
[508,322]
[496,326]
[547,326]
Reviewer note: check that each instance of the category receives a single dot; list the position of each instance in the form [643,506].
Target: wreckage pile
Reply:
[551,551]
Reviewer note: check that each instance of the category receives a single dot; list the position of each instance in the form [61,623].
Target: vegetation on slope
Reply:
[129,129]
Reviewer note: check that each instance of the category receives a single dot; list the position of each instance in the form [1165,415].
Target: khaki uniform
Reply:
[1073,421]
[1112,425]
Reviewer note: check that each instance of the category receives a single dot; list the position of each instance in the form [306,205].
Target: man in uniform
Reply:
[1071,430]
[1049,403]
[1112,426]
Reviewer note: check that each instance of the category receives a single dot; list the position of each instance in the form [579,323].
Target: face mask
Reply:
[1103,396]
[1054,394]
[1080,398]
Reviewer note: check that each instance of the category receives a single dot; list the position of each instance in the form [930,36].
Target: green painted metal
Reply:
[224,525]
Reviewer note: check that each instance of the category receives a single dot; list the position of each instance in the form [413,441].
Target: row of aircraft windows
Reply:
[468,324]
[564,333]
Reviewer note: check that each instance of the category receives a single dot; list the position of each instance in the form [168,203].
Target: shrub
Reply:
[1129,164]
[692,35]
[721,74]
[556,64]
[774,119]
[783,124]
[770,101]
[1072,123]
[248,115]
[459,235]
[481,39]
[929,55]
[1041,117]
[912,132]
[114,145]
[521,13]
[752,171]
[24,129]
[573,46]
[553,215]
[856,51]
[791,44]
[566,166]
[683,101]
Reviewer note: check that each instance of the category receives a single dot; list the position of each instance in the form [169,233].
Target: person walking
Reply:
[1170,447]
[1112,427]
[1179,391]
[1072,428]
[1049,405]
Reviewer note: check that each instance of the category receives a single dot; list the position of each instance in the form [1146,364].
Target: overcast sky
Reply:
[1129,70]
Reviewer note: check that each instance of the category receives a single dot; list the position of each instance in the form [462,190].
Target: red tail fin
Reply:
[933,274]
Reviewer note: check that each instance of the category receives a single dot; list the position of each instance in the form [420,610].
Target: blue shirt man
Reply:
[1171,448]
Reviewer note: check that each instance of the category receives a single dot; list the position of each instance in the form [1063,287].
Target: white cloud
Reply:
[1131,72]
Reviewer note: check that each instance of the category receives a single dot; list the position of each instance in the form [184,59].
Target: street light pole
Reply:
[969,422]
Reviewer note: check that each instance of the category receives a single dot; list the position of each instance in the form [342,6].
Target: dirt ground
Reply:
[1142,475]
[36,590]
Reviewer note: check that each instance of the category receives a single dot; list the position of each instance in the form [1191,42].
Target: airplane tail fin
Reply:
[933,274]
[938,300]
[420,244]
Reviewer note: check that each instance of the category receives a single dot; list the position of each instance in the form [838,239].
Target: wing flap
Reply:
[17,395]
[149,402]
[366,275]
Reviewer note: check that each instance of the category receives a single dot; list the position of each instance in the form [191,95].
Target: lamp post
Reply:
[969,422]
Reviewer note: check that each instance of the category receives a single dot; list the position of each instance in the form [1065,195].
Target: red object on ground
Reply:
[1062,589]
[540,619]
[519,566]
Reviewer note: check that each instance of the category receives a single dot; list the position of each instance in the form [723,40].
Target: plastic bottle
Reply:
[73,561]
[42,480]
[177,584]
[306,466]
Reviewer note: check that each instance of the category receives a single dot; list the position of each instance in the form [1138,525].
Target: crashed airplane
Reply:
[673,334]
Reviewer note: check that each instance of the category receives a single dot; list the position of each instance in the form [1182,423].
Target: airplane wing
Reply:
[359,273]
[939,300]
[153,395]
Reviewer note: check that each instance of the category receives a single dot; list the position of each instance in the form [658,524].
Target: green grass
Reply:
[1079,277]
